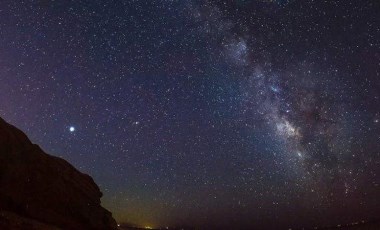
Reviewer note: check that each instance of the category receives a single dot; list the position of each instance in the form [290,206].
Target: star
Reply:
[72,129]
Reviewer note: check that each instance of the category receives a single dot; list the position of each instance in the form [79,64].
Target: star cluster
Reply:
[204,113]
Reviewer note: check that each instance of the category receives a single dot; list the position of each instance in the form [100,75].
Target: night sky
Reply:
[240,114]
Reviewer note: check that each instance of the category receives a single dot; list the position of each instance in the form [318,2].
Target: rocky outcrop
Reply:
[40,191]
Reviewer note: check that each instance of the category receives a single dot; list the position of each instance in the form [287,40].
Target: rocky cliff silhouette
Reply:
[40,191]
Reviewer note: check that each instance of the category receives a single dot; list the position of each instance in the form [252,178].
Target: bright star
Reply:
[275,89]
[72,128]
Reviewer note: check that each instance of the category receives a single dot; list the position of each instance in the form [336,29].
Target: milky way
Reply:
[251,114]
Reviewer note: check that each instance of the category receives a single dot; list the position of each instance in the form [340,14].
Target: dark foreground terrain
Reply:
[40,191]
